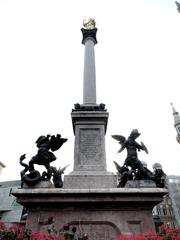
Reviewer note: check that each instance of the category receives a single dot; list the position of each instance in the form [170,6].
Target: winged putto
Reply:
[133,168]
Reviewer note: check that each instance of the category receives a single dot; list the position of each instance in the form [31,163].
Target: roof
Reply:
[9,184]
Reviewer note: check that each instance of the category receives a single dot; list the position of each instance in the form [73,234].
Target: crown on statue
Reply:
[89,24]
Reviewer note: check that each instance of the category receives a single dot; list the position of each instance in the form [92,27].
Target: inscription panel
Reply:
[90,150]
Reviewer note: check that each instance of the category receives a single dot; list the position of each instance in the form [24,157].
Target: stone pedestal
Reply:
[101,213]
[90,169]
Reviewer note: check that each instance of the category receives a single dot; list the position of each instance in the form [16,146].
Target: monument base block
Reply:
[103,214]
[88,181]
[140,184]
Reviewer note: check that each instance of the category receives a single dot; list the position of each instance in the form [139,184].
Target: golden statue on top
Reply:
[89,24]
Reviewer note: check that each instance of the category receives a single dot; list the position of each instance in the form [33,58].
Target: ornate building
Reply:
[176,123]
[168,211]
[173,183]
[163,213]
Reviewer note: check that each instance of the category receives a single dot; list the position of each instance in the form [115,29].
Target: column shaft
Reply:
[89,81]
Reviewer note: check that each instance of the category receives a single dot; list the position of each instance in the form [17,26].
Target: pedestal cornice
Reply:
[89,117]
[129,196]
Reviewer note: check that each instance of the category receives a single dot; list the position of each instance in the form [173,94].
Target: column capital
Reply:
[89,34]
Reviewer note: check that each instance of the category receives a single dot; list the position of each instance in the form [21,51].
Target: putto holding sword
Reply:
[132,168]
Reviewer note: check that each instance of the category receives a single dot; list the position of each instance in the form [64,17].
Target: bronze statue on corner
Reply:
[133,168]
[46,146]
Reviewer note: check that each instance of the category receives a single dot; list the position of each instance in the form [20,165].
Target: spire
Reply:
[176,123]
[174,110]
[176,116]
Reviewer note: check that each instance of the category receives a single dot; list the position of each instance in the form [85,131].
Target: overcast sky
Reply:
[41,76]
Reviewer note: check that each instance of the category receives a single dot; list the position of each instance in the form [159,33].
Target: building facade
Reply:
[173,183]
[163,214]
[10,211]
